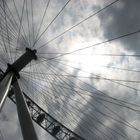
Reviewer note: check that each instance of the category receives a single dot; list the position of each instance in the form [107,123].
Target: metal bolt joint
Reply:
[33,52]
[21,62]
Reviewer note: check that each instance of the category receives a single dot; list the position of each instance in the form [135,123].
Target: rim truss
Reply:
[47,122]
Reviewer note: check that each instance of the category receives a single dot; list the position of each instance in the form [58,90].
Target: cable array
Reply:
[86,102]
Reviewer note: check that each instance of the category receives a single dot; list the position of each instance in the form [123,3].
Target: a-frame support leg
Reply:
[26,124]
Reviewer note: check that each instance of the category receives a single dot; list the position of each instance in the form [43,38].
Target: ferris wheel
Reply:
[70,67]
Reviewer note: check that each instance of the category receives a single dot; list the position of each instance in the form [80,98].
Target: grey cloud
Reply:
[122,18]
[93,123]
[119,19]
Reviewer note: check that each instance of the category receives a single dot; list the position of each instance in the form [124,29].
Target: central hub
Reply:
[22,61]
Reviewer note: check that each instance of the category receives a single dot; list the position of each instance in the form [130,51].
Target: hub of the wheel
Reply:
[21,62]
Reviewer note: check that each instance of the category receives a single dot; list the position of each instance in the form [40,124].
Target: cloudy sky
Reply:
[87,72]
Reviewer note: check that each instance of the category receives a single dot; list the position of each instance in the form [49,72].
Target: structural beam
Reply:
[21,62]
[27,127]
[26,58]
[10,77]
[4,88]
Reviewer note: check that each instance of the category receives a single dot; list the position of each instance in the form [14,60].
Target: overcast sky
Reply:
[92,83]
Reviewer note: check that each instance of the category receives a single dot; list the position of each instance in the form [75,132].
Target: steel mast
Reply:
[11,77]
[26,108]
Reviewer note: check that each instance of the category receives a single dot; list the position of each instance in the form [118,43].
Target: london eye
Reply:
[70,69]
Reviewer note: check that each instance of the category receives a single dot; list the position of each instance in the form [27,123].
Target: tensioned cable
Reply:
[20,19]
[69,112]
[85,77]
[30,65]
[100,76]
[62,86]
[32,13]
[27,13]
[98,90]
[118,68]
[45,11]
[3,40]
[7,31]
[4,47]
[11,37]
[106,79]
[109,40]
[75,90]
[129,124]
[13,21]
[94,14]
[10,23]
[103,42]
[123,85]
[105,66]
[56,89]
[111,98]
[3,28]
[92,118]
[104,54]
[93,54]
[65,72]
[51,22]
[19,31]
